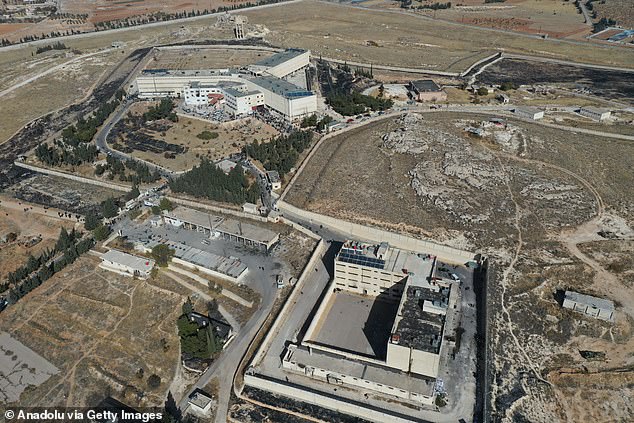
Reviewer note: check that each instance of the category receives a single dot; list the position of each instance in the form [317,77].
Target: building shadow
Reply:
[378,326]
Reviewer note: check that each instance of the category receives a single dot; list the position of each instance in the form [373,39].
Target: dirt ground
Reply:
[532,199]
[232,136]
[51,92]
[606,84]
[98,328]
[27,224]
[204,58]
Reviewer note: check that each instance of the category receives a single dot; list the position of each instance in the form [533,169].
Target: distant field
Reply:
[107,10]
[558,19]
[407,39]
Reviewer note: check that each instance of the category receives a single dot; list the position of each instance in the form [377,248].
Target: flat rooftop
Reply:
[385,257]
[596,110]
[141,264]
[281,57]
[228,226]
[416,328]
[425,85]
[590,301]
[527,109]
[236,93]
[188,72]
[356,324]
[231,266]
[281,87]
[364,370]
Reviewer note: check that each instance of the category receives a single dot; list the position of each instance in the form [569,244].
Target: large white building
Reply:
[282,64]
[595,113]
[127,264]
[263,82]
[598,308]
[242,103]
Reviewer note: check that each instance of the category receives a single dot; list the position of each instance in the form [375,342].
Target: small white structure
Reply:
[200,403]
[598,308]
[226,165]
[274,180]
[531,113]
[126,264]
[156,221]
[250,208]
[595,113]
[503,98]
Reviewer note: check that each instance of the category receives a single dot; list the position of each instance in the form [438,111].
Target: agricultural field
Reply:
[181,145]
[557,19]
[98,328]
[552,210]
[103,11]
[204,58]
[400,38]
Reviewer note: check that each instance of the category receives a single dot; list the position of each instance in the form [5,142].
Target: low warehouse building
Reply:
[595,113]
[590,306]
[531,113]
[426,90]
[127,264]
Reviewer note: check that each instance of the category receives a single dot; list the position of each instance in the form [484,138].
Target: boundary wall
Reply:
[196,204]
[361,232]
[320,400]
[73,177]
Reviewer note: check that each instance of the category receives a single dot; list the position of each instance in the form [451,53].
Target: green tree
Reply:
[101,232]
[156,210]
[109,208]
[188,307]
[162,254]
[134,193]
[166,204]
[483,91]
[154,381]
[91,221]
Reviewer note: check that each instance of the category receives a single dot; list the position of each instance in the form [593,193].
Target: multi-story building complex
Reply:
[262,82]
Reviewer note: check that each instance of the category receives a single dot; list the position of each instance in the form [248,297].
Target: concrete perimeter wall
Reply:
[73,177]
[320,250]
[196,204]
[323,400]
[367,233]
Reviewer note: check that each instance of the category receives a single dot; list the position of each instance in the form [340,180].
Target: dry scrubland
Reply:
[425,175]
[622,11]
[98,329]
[25,224]
[405,39]
[232,136]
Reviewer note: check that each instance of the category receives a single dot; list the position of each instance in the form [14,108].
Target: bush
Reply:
[154,381]
[207,135]
[101,232]
[162,254]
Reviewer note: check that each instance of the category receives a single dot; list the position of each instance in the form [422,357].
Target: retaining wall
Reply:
[196,204]
[323,400]
[367,233]
[73,177]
